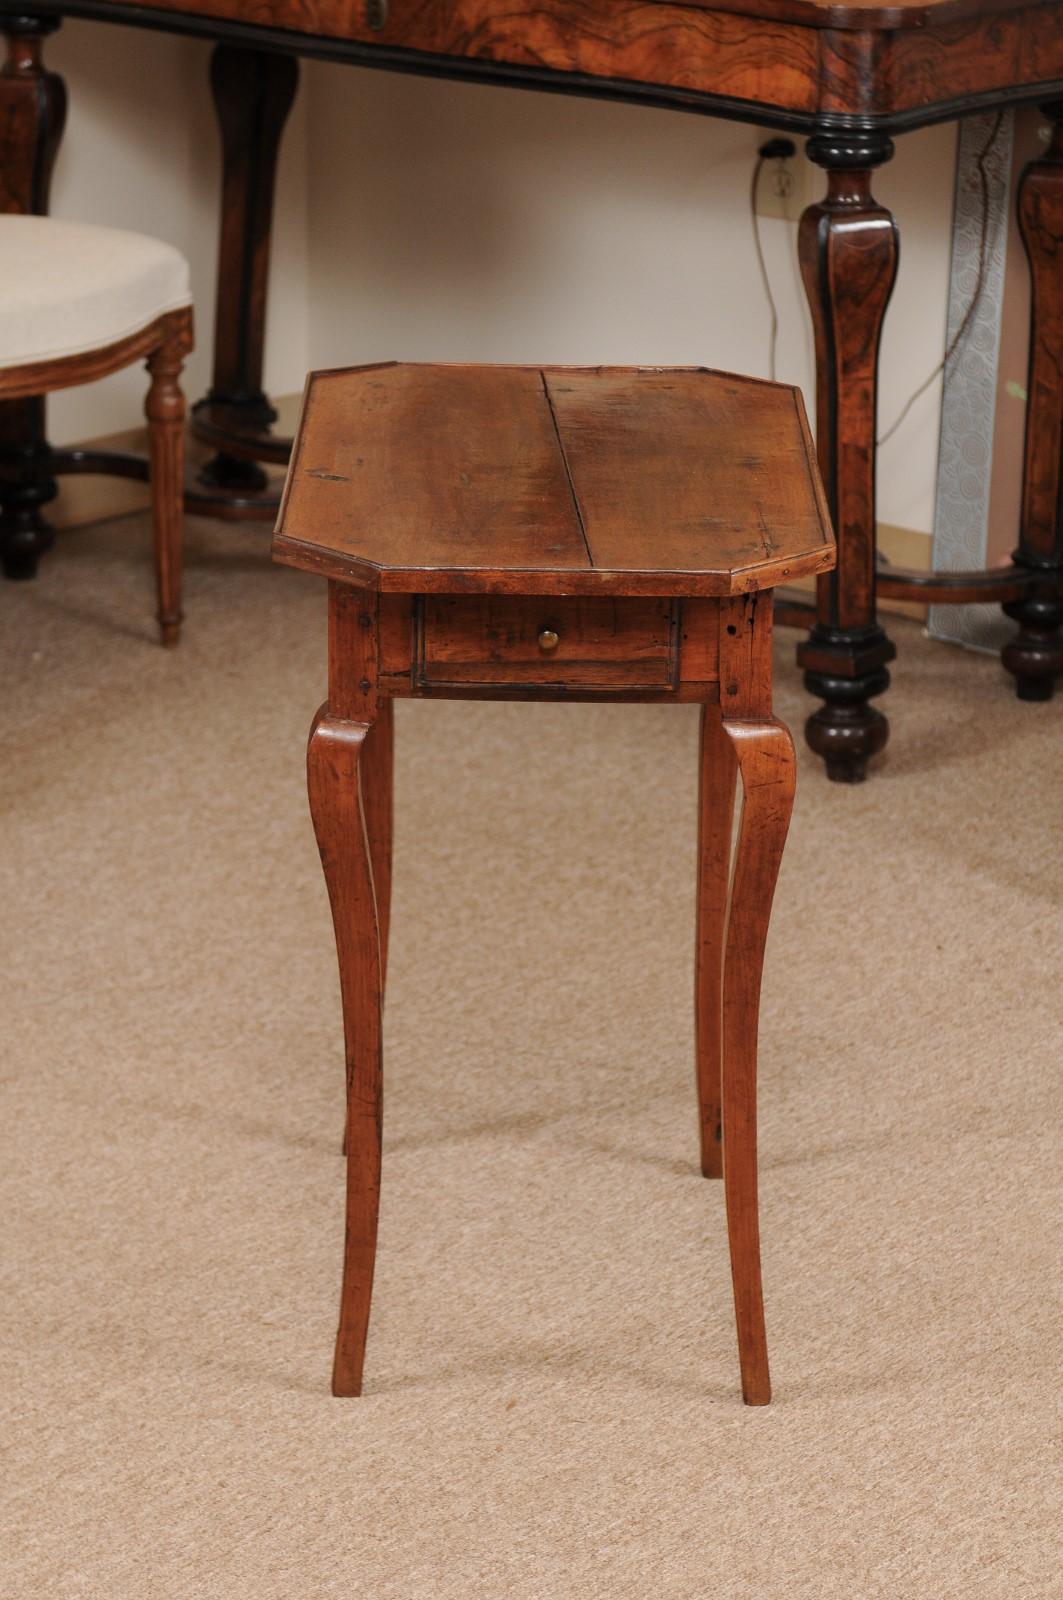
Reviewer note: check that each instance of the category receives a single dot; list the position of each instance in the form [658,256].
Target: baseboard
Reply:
[88,498]
[904,547]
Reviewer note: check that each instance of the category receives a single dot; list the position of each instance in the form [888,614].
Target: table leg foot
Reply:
[1035,656]
[378,759]
[846,734]
[231,475]
[1036,689]
[27,485]
[846,669]
[24,538]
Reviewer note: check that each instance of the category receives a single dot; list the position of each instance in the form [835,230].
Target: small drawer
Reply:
[486,641]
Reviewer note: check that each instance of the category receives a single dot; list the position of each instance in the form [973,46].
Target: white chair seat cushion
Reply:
[69,287]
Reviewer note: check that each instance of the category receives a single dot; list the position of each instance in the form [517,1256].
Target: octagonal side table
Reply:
[556,534]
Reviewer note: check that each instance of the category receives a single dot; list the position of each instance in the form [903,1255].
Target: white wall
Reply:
[918,187]
[459,222]
[141,151]
[430,220]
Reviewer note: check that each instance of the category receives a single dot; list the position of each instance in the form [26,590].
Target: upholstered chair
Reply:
[78,302]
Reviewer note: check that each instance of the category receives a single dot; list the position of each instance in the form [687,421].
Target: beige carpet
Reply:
[552,1401]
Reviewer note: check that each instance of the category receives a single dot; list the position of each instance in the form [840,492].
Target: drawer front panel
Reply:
[495,641]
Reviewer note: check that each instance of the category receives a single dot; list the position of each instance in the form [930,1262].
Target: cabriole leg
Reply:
[377,767]
[717,775]
[733,928]
[378,763]
[334,758]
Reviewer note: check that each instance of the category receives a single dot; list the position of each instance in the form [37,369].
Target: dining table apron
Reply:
[851,77]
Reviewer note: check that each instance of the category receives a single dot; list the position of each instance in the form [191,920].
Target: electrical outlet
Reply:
[786,188]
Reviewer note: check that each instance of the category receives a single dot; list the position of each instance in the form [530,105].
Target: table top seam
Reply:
[568,470]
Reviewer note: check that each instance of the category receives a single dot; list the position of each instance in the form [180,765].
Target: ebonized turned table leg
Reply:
[253,93]
[32,114]
[734,907]
[1035,655]
[848,249]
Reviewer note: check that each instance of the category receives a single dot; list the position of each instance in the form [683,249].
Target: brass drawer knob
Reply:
[549,641]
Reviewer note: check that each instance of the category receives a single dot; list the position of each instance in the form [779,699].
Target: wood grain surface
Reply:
[1035,655]
[645,41]
[793,63]
[350,17]
[897,65]
[489,640]
[848,253]
[333,758]
[1041,222]
[554,481]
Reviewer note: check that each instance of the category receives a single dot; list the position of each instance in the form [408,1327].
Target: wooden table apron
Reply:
[850,76]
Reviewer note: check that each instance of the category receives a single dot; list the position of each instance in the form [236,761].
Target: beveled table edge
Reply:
[670,583]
